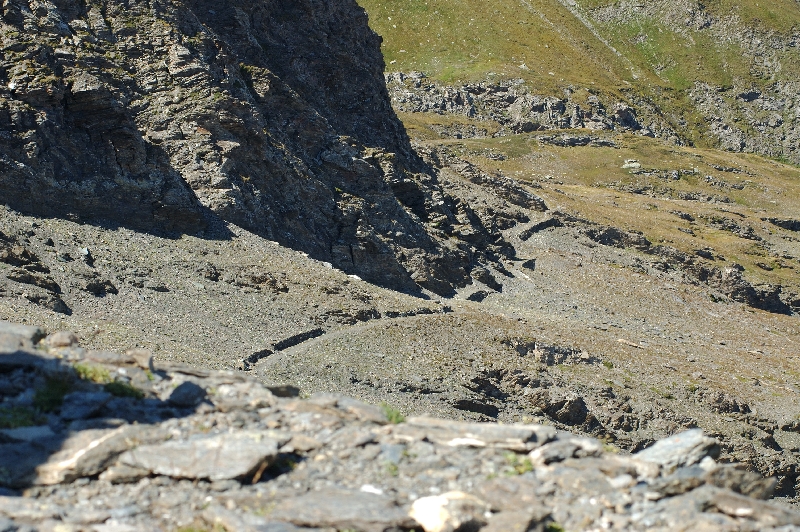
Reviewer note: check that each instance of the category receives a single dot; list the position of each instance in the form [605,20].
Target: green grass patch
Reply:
[392,414]
[123,389]
[50,397]
[19,416]
[460,41]
[92,373]
[518,465]
[391,469]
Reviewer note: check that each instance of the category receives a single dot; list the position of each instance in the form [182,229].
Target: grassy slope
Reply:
[456,40]
[545,44]
[465,40]
[586,181]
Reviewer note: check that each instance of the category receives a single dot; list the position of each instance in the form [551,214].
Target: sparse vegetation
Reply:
[393,415]
[518,465]
[19,416]
[49,397]
[122,389]
[391,469]
[92,373]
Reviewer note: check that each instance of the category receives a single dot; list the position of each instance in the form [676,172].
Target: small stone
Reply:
[87,453]
[217,515]
[683,480]
[284,390]
[123,474]
[562,449]
[61,339]
[110,358]
[518,521]
[362,411]
[114,526]
[478,296]
[735,505]
[187,394]
[301,443]
[142,357]
[450,512]
[509,493]
[742,481]
[708,464]
[622,481]
[86,256]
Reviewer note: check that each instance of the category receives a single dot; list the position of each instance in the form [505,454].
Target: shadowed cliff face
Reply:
[272,115]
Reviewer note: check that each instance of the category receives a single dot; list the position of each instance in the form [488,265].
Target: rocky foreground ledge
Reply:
[102,441]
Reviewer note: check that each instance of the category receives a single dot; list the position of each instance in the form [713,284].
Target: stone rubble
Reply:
[233,454]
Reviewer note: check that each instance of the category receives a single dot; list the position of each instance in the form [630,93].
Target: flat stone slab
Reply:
[87,453]
[681,450]
[343,510]
[214,457]
[455,434]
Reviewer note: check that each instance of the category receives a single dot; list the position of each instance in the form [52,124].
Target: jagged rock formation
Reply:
[510,107]
[104,440]
[274,116]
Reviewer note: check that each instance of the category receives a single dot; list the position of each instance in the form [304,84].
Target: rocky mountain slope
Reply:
[133,445]
[163,116]
[231,190]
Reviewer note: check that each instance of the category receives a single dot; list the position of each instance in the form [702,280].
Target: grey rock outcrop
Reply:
[515,109]
[272,116]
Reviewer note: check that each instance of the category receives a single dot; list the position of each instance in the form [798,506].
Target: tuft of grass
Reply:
[96,374]
[50,397]
[519,465]
[19,416]
[609,448]
[391,469]
[123,389]
[608,364]
[393,415]
[192,528]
